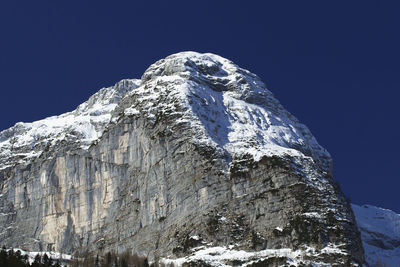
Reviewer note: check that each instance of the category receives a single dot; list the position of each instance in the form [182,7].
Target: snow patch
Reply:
[223,256]
[63,258]
[131,111]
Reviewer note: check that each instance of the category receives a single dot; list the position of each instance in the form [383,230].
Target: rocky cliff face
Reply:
[196,162]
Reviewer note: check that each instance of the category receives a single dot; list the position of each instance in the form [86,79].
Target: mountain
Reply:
[380,233]
[196,163]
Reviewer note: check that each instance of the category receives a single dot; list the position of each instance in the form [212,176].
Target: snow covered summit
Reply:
[229,109]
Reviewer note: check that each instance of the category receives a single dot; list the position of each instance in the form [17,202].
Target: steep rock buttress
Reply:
[197,155]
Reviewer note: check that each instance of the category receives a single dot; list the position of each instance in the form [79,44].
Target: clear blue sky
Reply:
[333,64]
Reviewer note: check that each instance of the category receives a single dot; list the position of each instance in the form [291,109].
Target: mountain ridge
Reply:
[197,148]
[96,112]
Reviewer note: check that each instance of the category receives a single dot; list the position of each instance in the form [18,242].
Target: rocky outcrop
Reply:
[196,155]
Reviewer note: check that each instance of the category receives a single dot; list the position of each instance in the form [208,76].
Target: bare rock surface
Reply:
[196,158]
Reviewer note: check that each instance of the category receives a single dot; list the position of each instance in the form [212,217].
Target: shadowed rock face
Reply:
[380,234]
[197,153]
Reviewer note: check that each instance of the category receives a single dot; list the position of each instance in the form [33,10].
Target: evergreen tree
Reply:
[108,259]
[57,263]
[124,263]
[37,262]
[97,262]
[25,258]
[116,262]
[3,257]
[47,261]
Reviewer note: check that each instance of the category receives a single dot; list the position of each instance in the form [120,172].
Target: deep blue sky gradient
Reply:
[333,64]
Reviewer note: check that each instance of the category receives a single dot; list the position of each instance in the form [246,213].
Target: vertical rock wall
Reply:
[137,189]
[196,154]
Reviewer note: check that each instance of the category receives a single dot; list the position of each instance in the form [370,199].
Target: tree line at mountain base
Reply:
[110,259]
[11,258]
[15,258]
[113,259]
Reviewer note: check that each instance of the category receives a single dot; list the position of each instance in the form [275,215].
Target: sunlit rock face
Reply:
[198,154]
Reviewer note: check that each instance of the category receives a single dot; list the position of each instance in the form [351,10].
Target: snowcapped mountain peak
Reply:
[228,108]
[108,96]
[219,73]
[198,144]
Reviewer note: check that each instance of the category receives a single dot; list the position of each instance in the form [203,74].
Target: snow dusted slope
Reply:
[229,108]
[380,233]
[245,119]
[225,257]
[26,141]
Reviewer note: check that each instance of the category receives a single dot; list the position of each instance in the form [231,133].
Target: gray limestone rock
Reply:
[196,155]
